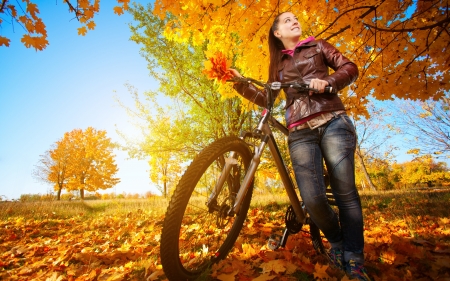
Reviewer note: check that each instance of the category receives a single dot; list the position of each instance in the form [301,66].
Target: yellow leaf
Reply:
[228,277]
[276,266]
[320,271]
[155,275]
[388,256]
[248,251]
[82,31]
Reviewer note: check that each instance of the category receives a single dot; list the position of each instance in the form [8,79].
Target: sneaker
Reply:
[337,258]
[356,271]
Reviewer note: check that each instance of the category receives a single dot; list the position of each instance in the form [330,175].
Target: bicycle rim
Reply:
[195,236]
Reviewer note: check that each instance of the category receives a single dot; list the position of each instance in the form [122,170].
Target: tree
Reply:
[401,47]
[422,170]
[427,123]
[81,160]
[372,147]
[54,166]
[27,16]
[93,164]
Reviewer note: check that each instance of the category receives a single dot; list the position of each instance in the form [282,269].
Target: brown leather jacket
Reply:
[311,60]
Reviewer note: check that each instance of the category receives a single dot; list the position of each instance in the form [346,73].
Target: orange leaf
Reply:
[27,40]
[118,10]
[264,277]
[13,10]
[320,271]
[89,14]
[217,67]
[40,27]
[228,277]
[4,41]
[33,10]
[91,25]
[82,31]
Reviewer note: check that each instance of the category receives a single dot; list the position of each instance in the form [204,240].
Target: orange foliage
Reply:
[217,68]
[36,32]
[400,50]
[125,247]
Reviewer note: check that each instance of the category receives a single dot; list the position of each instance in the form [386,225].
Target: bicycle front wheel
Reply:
[195,235]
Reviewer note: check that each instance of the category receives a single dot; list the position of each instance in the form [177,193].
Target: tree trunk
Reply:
[82,194]
[165,189]
[58,194]
[369,181]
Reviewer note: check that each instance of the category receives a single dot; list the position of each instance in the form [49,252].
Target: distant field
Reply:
[407,238]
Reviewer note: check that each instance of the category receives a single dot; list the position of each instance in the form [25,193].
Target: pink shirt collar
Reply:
[304,41]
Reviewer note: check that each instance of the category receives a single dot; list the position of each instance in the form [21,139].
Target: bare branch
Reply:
[441,23]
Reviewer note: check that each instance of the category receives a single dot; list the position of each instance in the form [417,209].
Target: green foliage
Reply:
[197,115]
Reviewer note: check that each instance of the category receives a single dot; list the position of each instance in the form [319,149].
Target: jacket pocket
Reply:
[312,52]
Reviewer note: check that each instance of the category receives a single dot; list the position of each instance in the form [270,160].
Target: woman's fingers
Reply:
[234,72]
[317,84]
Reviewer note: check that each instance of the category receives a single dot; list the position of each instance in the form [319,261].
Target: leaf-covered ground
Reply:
[406,239]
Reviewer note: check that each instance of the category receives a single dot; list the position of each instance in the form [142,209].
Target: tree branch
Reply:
[370,9]
[3,6]
[402,30]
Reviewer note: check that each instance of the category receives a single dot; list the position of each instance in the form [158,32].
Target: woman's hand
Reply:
[318,84]
[235,72]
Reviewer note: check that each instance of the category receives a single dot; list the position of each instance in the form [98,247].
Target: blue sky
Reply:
[70,85]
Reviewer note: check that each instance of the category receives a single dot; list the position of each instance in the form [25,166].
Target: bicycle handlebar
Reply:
[279,85]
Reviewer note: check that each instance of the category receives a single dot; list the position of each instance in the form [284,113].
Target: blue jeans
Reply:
[335,143]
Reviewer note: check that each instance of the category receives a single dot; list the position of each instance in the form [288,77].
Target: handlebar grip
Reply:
[328,90]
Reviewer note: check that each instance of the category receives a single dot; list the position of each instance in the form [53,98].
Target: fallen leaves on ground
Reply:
[126,247]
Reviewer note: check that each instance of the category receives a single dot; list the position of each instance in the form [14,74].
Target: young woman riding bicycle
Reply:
[319,130]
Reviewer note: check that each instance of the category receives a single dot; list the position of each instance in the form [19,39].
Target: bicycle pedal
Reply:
[274,241]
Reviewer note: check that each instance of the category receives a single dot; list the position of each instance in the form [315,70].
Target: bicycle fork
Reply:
[230,162]
[266,139]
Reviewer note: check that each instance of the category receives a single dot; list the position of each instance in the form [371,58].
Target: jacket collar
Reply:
[306,45]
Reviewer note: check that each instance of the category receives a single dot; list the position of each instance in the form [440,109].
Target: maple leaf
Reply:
[217,67]
[91,25]
[276,266]
[118,10]
[33,10]
[82,31]
[264,277]
[4,41]
[320,271]
[228,277]
[89,14]
[13,11]
[248,251]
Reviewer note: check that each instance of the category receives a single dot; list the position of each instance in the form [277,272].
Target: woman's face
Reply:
[288,27]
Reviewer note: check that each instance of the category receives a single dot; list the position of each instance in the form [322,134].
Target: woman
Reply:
[319,129]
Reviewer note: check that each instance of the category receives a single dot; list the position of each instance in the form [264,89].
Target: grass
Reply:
[396,203]
[69,209]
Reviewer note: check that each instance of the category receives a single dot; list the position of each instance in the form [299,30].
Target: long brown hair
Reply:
[275,48]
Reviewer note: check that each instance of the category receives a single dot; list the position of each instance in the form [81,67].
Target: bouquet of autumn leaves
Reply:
[217,67]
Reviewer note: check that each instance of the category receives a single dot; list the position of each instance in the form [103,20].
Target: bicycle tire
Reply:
[182,251]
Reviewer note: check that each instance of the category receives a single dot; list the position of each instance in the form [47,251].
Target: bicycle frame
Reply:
[264,133]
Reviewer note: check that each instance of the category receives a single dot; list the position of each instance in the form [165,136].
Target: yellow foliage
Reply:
[84,11]
[390,60]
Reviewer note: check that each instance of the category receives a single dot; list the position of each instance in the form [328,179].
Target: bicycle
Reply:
[214,194]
